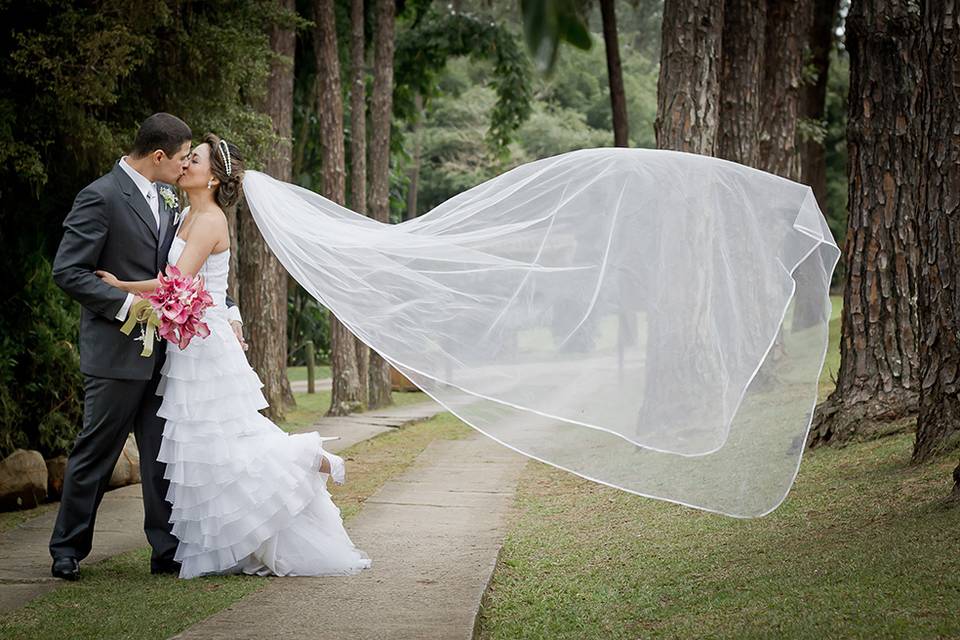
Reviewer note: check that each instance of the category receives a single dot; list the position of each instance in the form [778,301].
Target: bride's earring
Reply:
[210,183]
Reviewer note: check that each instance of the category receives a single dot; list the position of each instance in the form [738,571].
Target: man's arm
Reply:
[85,233]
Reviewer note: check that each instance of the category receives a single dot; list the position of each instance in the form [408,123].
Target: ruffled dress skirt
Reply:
[247,497]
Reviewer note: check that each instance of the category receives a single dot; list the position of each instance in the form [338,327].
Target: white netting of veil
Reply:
[652,320]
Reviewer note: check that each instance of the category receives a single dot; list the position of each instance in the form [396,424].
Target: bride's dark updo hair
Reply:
[226,164]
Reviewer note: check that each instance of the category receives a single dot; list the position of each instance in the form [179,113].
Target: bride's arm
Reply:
[206,233]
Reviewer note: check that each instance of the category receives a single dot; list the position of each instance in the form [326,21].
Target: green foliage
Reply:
[424,49]
[570,110]
[77,80]
[307,319]
[40,381]
[548,23]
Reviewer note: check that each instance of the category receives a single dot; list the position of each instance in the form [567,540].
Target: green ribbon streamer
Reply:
[142,313]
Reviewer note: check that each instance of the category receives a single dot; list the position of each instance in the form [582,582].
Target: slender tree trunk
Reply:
[813,157]
[877,384]
[787,30]
[744,31]
[381,112]
[345,397]
[358,154]
[938,223]
[618,98]
[813,98]
[414,173]
[263,282]
[688,89]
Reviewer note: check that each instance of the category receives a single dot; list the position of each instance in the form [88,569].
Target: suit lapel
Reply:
[136,201]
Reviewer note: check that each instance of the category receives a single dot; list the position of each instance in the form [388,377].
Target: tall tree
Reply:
[263,281]
[381,112]
[346,393]
[688,90]
[813,157]
[618,97]
[787,30]
[938,224]
[358,153]
[877,384]
[744,31]
[688,105]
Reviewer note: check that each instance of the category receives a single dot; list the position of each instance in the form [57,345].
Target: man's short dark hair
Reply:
[161,131]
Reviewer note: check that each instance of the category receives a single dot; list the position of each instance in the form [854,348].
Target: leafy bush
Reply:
[41,388]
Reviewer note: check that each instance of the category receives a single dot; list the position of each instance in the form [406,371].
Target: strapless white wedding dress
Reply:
[247,497]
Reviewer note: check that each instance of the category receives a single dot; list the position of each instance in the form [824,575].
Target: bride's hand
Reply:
[110,279]
[238,331]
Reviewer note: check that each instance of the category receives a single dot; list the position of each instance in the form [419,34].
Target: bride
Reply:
[247,497]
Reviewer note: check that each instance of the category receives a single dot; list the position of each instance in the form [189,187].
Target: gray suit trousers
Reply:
[111,407]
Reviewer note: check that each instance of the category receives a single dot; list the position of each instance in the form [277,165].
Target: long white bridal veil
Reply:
[651,320]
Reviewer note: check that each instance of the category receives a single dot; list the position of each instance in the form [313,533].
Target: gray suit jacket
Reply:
[112,228]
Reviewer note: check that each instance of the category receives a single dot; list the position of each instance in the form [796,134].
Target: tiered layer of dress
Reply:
[247,497]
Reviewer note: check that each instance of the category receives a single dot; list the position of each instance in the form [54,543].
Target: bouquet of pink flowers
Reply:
[174,311]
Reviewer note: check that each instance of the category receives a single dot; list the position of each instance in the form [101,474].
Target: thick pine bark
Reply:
[263,281]
[381,112]
[938,223]
[744,25]
[618,97]
[813,159]
[358,154]
[877,383]
[688,104]
[787,31]
[346,393]
[688,88]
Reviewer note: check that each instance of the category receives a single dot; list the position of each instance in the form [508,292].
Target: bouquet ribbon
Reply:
[142,312]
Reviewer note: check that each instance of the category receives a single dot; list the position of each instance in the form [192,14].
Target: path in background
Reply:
[433,533]
[24,556]
[300,386]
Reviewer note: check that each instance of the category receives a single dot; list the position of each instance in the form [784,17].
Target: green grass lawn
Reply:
[864,547]
[119,599]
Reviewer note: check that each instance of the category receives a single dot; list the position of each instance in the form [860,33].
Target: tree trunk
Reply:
[618,97]
[381,113]
[813,98]
[263,282]
[787,30]
[813,160]
[877,383]
[414,173]
[744,24]
[688,104]
[358,155]
[938,224]
[345,397]
[688,88]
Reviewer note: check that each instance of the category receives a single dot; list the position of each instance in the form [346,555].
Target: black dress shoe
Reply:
[66,568]
[160,567]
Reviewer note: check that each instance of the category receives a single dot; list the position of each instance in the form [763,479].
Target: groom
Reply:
[124,223]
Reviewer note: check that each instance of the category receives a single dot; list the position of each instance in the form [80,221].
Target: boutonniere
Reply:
[170,198]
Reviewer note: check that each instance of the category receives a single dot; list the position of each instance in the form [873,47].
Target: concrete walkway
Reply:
[25,559]
[300,386]
[433,534]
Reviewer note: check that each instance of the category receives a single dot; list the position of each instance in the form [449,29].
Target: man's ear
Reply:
[158,156]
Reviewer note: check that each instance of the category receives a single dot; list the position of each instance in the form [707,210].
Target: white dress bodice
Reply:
[215,271]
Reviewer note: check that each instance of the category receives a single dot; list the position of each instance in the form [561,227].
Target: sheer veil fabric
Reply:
[652,320]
